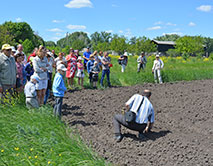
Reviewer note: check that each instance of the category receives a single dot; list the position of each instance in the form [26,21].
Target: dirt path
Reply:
[182,134]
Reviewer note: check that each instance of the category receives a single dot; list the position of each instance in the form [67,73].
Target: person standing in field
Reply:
[19,74]
[86,57]
[71,68]
[40,66]
[90,64]
[141,62]
[80,73]
[20,50]
[94,72]
[59,89]
[7,70]
[156,69]
[124,60]
[106,62]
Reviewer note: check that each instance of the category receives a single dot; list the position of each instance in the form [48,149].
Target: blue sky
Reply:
[52,19]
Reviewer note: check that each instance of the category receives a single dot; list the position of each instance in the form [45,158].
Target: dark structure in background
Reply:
[163,46]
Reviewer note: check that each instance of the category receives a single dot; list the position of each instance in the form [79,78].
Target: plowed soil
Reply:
[182,133]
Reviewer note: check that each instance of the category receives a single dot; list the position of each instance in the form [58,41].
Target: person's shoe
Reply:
[118,138]
[141,136]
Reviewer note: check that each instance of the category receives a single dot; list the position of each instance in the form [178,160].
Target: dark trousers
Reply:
[119,120]
[105,72]
[58,106]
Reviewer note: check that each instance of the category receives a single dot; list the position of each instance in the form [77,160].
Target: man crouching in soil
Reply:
[144,119]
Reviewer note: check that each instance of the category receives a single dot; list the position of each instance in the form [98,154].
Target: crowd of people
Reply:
[33,75]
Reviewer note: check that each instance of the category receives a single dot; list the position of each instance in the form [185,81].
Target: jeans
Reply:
[123,68]
[141,66]
[105,72]
[58,106]
[119,120]
[157,74]
[47,94]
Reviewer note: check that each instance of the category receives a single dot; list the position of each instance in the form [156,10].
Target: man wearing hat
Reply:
[30,92]
[141,62]
[124,60]
[157,66]
[59,89]
[7,70]
[86,57]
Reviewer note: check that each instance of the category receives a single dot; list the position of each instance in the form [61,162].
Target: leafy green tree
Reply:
[208,42]
[118,44]
[78,44]
[167,37]
[28,46]
[144,44]
[5,36]
[188,45]
[70,38]
[50,43]
[102,46]
[19,31]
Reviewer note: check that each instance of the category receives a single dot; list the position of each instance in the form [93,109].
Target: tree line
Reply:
[21,32]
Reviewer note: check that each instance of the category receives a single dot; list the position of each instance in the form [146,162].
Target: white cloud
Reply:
[79,4]
[120,31]
[205,8]
[170,24]
[154,28]
[58,34]
[109,31]
[158,23]
[18,19]
[57,21]
[191,24]
[76,27]
[173,33]
[55,30]
[128,33]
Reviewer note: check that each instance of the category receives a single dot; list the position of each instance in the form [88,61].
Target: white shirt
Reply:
[145,112]
[158,64]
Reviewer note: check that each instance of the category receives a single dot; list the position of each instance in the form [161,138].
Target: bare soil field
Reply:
[182,133]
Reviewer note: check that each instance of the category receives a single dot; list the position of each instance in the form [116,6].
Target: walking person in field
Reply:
[141,62]
[106,63]
[156,69]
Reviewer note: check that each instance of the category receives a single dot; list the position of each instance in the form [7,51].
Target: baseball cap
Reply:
[80,58]
[6,47]
[13,49]
[61,67]
[126,54]
[35,77]
[157,56]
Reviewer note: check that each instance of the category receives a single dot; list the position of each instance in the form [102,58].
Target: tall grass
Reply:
[36,137]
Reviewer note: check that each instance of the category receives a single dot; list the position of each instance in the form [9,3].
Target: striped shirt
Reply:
[145,112]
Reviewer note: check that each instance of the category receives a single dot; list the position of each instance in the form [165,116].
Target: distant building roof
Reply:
[164,42]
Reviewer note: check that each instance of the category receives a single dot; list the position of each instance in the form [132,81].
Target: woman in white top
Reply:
[157,66]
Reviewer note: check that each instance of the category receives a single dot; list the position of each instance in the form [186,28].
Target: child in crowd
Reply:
[30,92]
[59,89]
[95,70]
[29,69]
[19,74]
[80,73]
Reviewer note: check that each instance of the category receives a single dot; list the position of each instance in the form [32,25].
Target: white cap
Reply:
[157,56]
[80,58]
[61,67]
[126,54]
[13,49]
[34,77]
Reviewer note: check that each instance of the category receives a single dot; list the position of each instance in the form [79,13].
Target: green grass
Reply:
[36,137]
